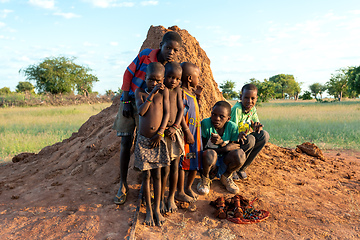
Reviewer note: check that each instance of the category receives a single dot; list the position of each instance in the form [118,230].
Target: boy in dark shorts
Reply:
[191,161]
[252,137]
[173,134]
[127,117]
[219,135]
[150,149]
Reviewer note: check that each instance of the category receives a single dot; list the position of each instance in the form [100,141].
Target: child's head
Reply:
[248,96]
[220,114]
[190,75]
[173,73]
[170,46]
[154,74]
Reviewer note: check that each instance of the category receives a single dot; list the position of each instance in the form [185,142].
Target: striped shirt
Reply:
[134,76]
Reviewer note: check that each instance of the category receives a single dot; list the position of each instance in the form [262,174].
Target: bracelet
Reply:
[161,134]
[176,127]
[148,100]
[126,102]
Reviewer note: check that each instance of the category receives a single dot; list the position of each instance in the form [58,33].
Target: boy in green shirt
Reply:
[252,137]
[219,135]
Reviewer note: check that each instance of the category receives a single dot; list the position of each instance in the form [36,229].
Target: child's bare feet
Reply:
[163,208]
[172,206]
[149,220]
[191,193]
[160,220]
[184,197]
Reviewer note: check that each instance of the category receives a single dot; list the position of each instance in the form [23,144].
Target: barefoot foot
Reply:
[159,219]
[183,197]
[172,206]
[149,220]
[191,193]
[163,208]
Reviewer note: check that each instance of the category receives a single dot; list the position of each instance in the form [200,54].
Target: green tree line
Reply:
[344,83]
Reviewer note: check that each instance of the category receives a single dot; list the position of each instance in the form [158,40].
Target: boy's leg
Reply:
[126,143]
[156,176]
[260,140]
[208,161]
[164,177]
[146,188]
[180,194]
[233,160]
[190,180]
[174,173]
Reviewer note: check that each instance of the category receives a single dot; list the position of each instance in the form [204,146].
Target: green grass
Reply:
[31,129]
[329,125]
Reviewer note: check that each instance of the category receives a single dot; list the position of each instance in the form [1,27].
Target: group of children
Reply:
[161,97]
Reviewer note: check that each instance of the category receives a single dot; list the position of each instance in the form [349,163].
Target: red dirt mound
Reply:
[66,191]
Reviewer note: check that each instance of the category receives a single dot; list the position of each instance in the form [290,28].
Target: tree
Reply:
[317,88]
[266,89]
[25,87]
[5,90]
[60,75]
[306,96]
[337,85]
[353,74]
[227,88]
[285,83]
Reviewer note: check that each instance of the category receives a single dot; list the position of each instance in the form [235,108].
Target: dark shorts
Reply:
[123,125]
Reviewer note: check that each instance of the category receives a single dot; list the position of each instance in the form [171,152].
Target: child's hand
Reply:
[215,138]
[155,140]
[158,87]
[242,136]
[198,90]
[256,126]
[170,132]
[127,110]
[189,138]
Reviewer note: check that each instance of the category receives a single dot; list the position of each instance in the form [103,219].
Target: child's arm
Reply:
[189,138]
[223,147]
[198,92]
[155,140]
[144,104]
[179,115]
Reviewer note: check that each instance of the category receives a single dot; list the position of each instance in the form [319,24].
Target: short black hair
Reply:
[154,66]
[172,36]
[250,87]
[224,104]
[172,66]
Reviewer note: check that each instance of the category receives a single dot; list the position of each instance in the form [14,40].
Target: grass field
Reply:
[31,129]
[328,125]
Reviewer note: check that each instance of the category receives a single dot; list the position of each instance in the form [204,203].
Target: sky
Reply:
[310,39]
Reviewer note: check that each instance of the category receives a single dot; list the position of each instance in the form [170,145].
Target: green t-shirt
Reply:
[242,119]
[230,133]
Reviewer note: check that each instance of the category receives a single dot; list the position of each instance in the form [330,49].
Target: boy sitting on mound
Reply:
[150,149]
[252,137]
[173,134]
[191,161]
[219,135]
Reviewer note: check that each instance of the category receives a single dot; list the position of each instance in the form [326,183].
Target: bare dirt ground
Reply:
[308,198]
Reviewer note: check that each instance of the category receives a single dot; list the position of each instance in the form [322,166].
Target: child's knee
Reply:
[209,157]
[238,157]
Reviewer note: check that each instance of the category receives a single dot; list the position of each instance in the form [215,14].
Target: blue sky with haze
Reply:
[243,39]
